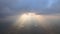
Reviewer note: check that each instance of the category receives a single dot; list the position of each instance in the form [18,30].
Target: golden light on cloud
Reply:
[26,19]
[29,20]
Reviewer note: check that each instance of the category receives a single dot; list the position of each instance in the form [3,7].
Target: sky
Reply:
[41,6]
[10,9]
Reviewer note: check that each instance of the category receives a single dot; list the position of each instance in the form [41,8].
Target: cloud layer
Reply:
[10,7]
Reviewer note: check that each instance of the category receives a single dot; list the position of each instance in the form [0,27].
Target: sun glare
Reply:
[28,18]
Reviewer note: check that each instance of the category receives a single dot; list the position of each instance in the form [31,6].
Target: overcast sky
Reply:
[8,7]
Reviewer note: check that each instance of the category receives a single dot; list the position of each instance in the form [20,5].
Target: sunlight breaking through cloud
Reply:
[29,19]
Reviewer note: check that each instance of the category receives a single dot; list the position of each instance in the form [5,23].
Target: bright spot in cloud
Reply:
[27,19]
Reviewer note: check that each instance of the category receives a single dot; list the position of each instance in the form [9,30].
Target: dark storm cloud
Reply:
[10,7]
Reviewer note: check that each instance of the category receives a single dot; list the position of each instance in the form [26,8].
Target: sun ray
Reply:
[26,19]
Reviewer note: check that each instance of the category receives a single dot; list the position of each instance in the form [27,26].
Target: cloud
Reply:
[10,8]
[41,6]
